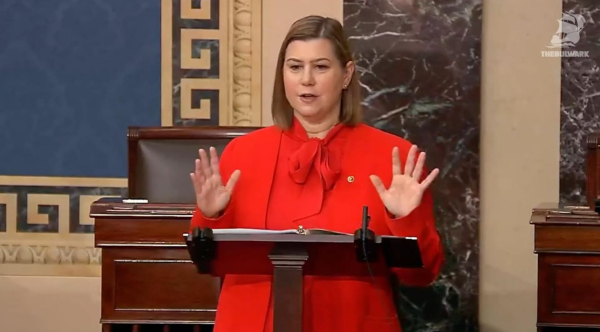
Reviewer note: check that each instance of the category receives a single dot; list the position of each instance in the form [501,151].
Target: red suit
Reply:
[289,180]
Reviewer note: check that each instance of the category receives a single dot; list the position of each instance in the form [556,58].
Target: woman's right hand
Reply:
[211,195]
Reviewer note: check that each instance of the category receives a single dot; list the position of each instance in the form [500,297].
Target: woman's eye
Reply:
[294,67]
[322,67]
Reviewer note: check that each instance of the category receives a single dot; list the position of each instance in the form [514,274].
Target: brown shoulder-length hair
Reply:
[313,27]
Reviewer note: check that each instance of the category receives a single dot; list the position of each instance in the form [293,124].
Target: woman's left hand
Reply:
[405,191]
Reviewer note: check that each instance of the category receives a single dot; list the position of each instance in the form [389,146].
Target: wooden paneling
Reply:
[572,293]
[148,279]
[166,291]
[567,238]
[567,241]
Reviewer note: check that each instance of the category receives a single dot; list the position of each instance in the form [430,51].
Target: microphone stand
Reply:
[364,240]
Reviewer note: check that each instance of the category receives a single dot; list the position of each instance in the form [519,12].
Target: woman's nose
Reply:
[307,76]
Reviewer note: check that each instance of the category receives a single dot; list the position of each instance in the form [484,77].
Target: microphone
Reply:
[364,240]
[365,223]
[367,242]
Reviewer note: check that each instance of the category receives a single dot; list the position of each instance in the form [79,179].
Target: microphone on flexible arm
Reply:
[366,251]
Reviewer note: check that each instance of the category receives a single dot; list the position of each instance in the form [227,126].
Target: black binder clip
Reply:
[202,248]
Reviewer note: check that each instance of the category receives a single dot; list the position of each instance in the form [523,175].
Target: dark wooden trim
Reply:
[136,232]
[132,158]
[581,326]
[288,261]
[226,132]
[592,169]
[575,238]
[157,322]
[565,252]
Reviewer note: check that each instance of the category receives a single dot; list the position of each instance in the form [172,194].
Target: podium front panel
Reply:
[148,277]
[567,244]
[156,285]
[571,290]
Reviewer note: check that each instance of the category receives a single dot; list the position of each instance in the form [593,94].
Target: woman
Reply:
[317,167]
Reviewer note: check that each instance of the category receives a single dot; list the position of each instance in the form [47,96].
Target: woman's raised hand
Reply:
[405,191]
[211,195]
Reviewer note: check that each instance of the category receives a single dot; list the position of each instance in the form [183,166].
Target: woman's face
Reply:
[314,78]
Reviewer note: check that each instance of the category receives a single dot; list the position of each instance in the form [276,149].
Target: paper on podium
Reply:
[299,231]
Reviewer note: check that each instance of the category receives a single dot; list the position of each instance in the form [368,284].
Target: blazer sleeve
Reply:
[420,223]
[227,216]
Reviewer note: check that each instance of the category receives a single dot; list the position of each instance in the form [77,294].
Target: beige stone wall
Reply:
[520,151]
[520,154]
[49,304]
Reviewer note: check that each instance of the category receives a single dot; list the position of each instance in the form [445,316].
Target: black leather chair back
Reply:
[162,158]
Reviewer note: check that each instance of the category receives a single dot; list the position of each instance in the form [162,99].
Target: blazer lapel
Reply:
[268,153]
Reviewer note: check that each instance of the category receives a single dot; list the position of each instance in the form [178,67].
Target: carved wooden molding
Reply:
[30,259]
[211,63]
[45,227]
[246,61]
[23,253]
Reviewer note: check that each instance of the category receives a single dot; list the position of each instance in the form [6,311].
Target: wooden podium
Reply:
[567,242]
[290,255]
[148,279]
[155,272]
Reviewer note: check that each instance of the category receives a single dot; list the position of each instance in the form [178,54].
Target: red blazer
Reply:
[357,305]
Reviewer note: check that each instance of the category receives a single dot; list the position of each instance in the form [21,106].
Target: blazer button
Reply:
[351,179]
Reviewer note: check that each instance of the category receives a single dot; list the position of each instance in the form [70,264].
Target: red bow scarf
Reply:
[314,167]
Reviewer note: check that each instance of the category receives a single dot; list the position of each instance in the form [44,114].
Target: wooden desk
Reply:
[567,242]
[148,279]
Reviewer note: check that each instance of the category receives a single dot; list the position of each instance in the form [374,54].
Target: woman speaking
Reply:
[317,166]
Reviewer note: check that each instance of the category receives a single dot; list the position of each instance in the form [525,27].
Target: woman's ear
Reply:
[348,72]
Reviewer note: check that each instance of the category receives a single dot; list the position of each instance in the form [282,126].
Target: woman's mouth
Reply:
[307,97]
